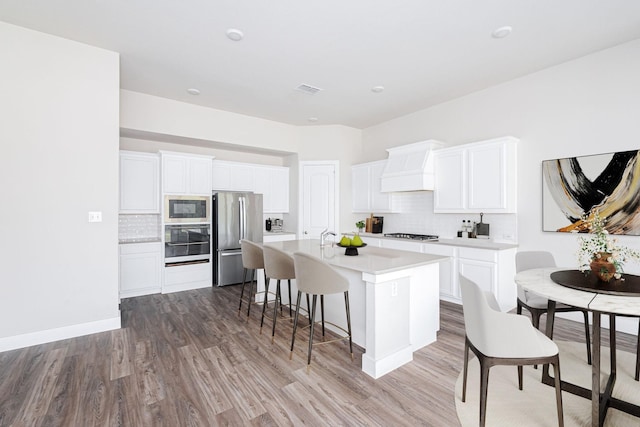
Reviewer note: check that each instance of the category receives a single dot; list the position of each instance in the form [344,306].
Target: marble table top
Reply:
[539,282]
[371,260]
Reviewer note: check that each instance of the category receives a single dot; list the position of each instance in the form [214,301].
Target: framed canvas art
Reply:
[575,187]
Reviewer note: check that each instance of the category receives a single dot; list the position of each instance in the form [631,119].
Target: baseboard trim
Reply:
[50,335]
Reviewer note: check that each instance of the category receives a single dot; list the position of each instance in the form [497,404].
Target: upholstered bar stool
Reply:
[315,277]
[278,265]
[252,260]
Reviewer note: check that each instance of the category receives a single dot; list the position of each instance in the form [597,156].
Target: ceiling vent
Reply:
[311,90]
[410,167]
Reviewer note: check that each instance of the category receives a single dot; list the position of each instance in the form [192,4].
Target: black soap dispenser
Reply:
[267,224]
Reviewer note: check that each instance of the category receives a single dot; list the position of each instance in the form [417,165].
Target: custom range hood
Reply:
[410,167]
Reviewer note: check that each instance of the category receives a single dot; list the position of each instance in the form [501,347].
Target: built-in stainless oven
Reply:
[183,209]
[187,244]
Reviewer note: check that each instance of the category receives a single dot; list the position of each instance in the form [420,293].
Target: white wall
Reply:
[587,106]
[146,113]
[59,135]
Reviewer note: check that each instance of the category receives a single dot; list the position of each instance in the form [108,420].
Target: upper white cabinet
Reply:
[366,191]
[273,183]
[186,173]
[478,177]
[232,176]
[139,183]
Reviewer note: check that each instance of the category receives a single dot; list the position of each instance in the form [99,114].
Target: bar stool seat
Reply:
[278,265]
[252,260]
[316,277]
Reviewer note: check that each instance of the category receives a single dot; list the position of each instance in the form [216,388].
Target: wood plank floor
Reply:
[188,359]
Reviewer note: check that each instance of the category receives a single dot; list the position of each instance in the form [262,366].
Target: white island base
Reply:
[393,296]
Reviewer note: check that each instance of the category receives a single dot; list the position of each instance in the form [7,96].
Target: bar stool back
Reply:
[316,277]
[252,259]
[278,265]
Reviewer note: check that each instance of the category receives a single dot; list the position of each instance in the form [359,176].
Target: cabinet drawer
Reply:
[139,248]
[187,273]
[478,254]
[435,249]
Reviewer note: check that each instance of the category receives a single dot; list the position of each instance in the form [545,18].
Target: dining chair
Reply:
[315,277]
[252,260]
[498,338]
[537,305]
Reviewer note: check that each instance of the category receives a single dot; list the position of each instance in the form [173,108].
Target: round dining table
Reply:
[617,298]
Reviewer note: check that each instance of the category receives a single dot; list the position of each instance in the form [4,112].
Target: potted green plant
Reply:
[360,225]
[601,253]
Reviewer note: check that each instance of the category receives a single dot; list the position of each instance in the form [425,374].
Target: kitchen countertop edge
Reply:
[467,243]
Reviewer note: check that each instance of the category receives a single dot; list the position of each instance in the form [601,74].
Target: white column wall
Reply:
[59,136]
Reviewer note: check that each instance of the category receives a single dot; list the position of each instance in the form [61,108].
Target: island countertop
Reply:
[371,259]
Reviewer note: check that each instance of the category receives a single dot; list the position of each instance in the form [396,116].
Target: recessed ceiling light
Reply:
[235,35]
[501,32]
[377,89]
[312,119]
[193,91]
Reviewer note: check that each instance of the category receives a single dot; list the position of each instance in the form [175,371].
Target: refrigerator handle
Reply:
[241,217]
[244,218]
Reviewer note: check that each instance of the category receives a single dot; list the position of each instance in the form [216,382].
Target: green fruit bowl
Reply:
[351,250]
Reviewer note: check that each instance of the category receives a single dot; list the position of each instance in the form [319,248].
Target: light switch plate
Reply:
[95,216]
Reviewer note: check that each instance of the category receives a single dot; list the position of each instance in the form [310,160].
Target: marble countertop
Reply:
[371,259]
[539,282]
[460,242]
[140,240]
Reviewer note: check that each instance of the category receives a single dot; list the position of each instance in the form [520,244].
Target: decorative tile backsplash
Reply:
[417,217]
[138,227]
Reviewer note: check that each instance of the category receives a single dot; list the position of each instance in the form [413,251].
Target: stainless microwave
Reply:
[187,209]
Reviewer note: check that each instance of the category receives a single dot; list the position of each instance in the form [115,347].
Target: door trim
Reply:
[336,189]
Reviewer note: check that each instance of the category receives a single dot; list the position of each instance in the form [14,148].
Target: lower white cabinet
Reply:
[449,290]
[140,265]
[185,277]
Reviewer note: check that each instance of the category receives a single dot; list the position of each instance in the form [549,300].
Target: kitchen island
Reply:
[394,299]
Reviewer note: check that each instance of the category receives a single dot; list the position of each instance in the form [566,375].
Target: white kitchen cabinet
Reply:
[449,288]
[186,277]
[401,245]
[273,183]
[478,177]
[139,183]
[139,269]
[186,173]
[366,191]
[232,176]
[492,270]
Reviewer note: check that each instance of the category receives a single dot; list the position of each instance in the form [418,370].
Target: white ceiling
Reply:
[423,52]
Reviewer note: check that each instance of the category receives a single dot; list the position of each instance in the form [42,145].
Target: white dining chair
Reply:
[537,305]
[498,338]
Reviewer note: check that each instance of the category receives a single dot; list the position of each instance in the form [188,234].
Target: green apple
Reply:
[345,241]
[356,241]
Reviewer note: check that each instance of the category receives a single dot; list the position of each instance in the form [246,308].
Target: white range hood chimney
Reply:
[410,167]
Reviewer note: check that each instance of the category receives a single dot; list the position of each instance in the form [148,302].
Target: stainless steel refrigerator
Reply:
[236,216]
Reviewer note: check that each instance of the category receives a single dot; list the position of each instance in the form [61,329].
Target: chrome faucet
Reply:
[324,235]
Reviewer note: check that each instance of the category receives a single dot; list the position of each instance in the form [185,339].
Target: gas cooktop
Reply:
[412,236]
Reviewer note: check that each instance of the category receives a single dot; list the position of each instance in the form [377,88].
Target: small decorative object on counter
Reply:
[360,225]
[600,253]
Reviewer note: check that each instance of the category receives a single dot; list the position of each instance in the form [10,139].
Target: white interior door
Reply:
[319,189]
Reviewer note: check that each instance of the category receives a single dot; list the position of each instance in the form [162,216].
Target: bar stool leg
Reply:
[289,283]
[264,305]
[638,355]
[346,304]
[251,292]
[278,302]
[313,311]
[295,323]
[309,313]
[321,312]
[244,281]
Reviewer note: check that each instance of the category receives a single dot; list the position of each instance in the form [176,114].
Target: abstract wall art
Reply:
[577,186]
